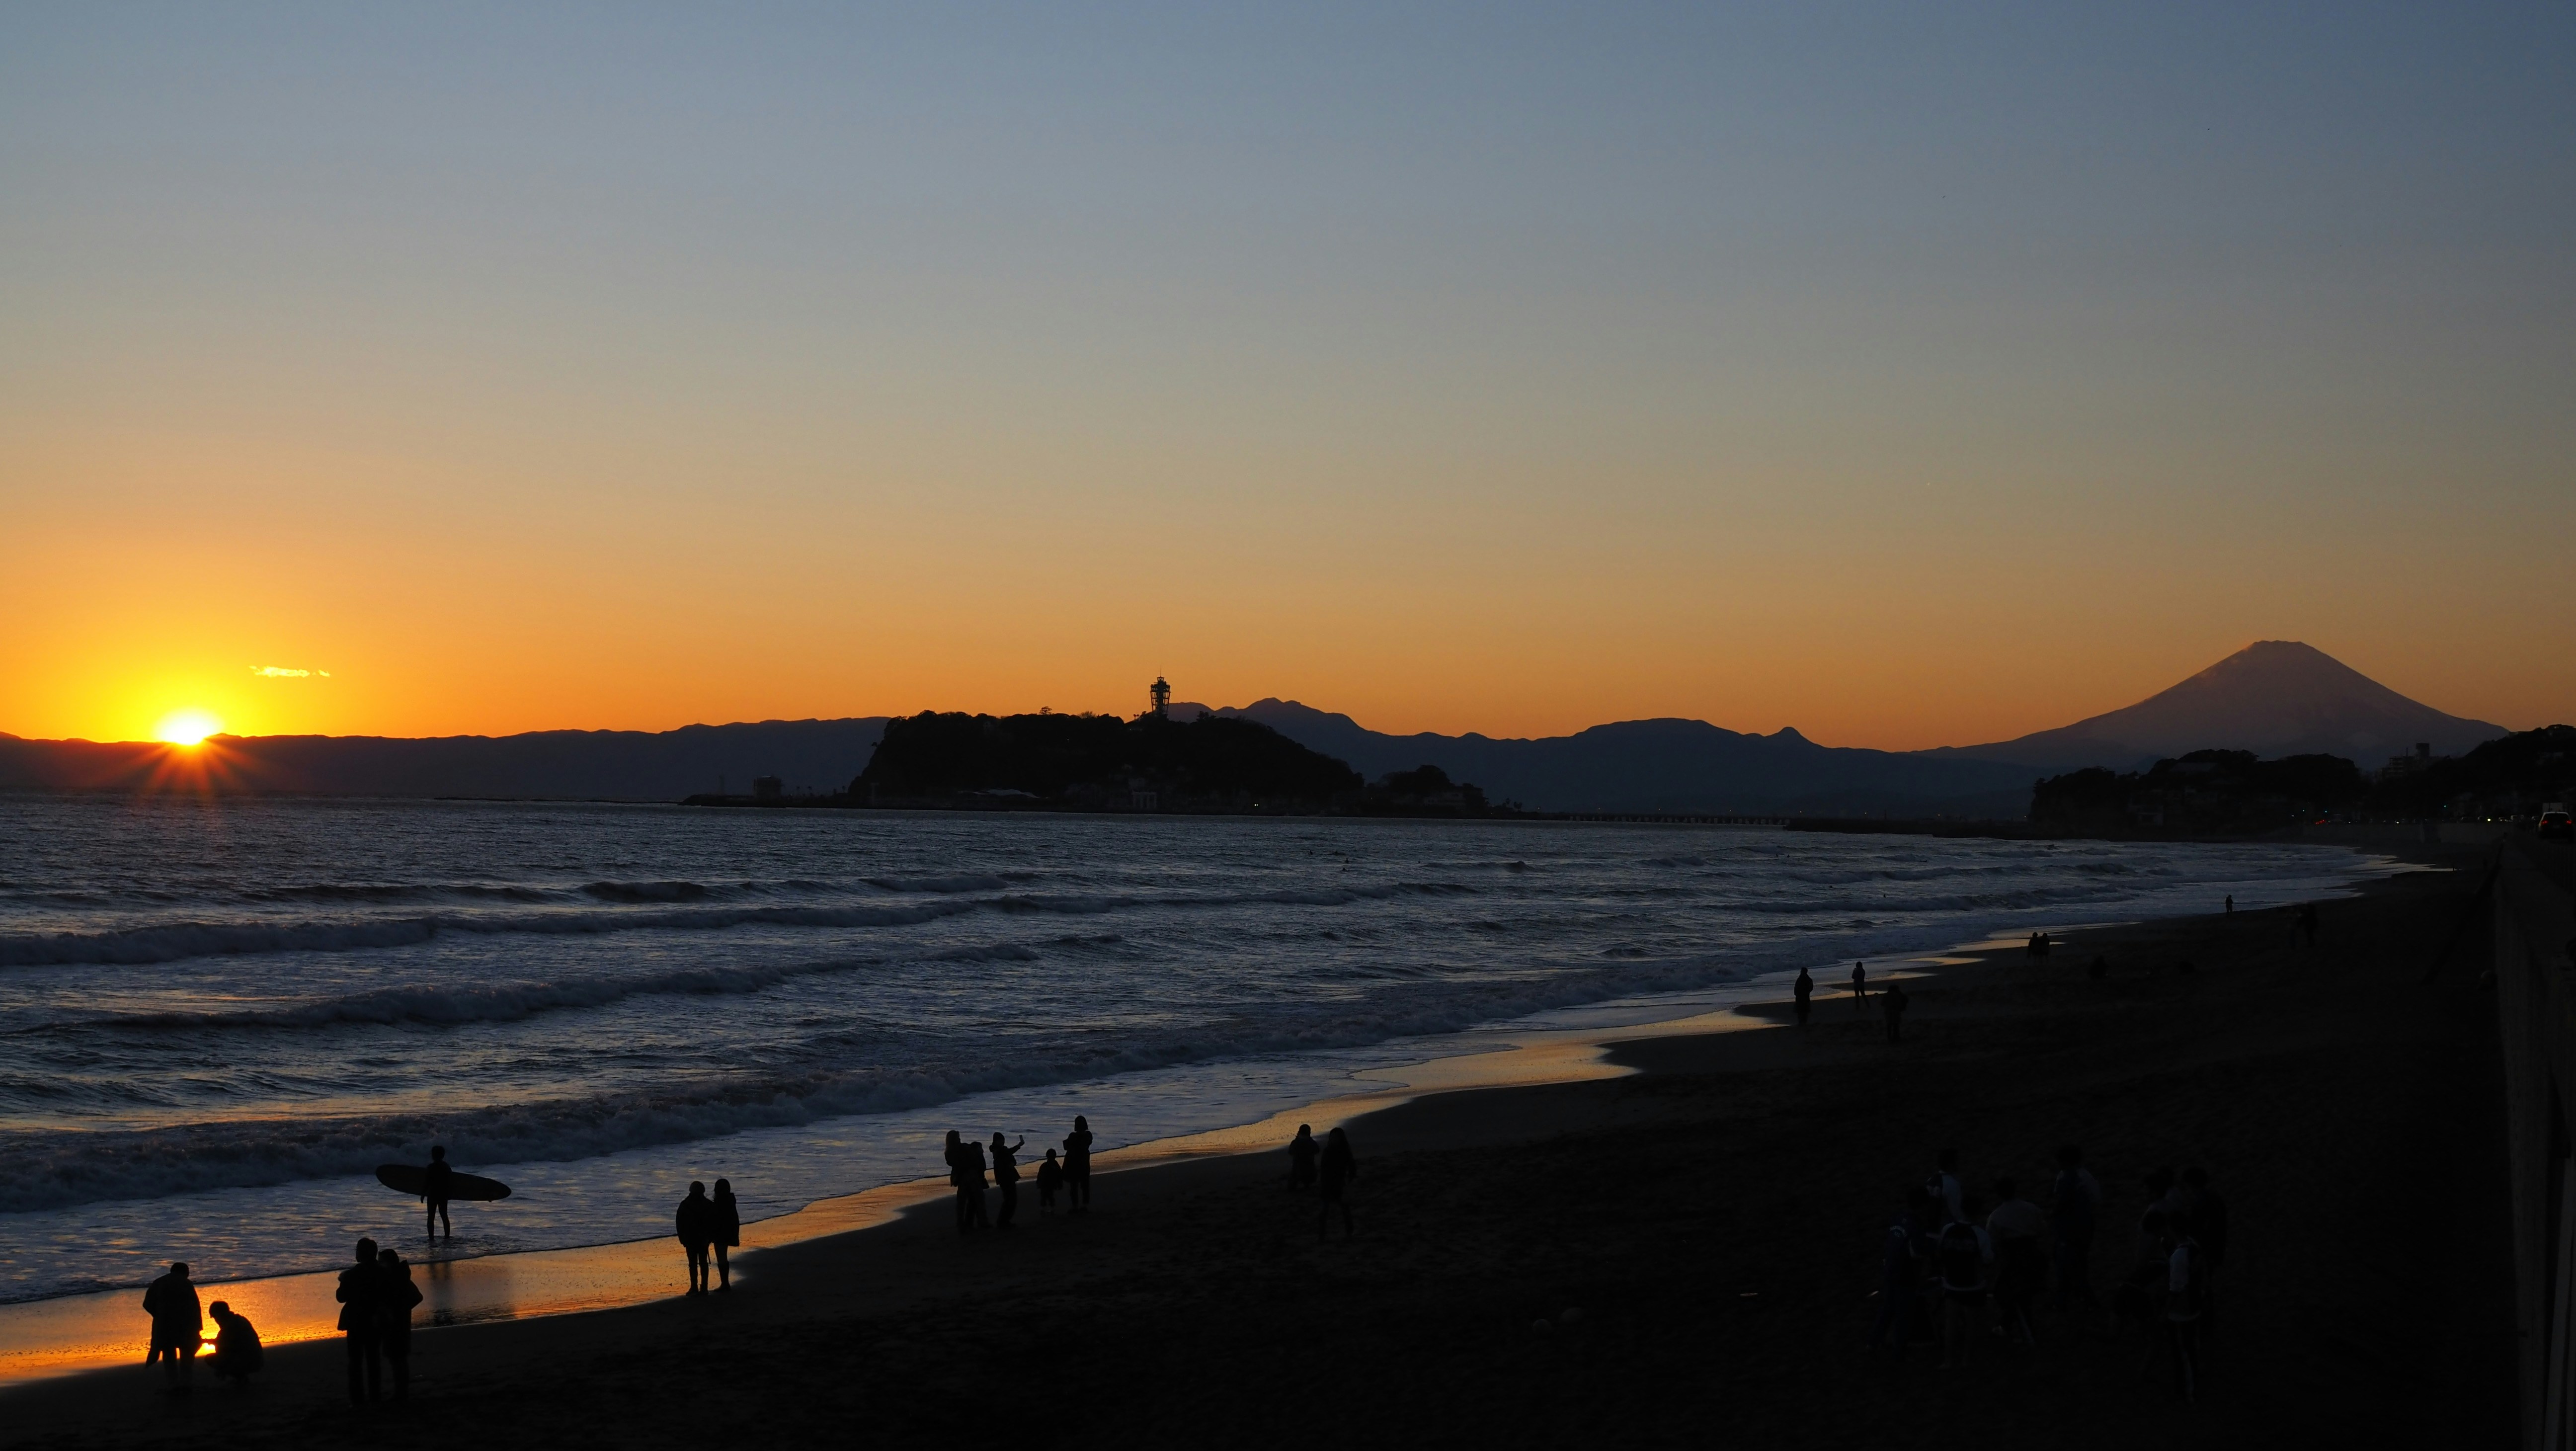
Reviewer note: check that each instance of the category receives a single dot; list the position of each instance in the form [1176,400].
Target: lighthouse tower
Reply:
[1162,695]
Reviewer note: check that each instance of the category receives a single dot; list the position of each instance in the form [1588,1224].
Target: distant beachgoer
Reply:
[1943,1185]
[2047,944]
[178,1326]
[2030,948]
[1891,1001]
[956,1156]
[436,1181]
[362,1320]
[695,1224]
[2231,904]
[1860,984]
[237,1352]
[728,1232]
[1006,1177]
[1050,1179]
[2021,1265]
[2077,1206]
[1964,1257]
[1301,1157]
[1336,1171]
[1077,1166]
[1805,990]
[396,1295]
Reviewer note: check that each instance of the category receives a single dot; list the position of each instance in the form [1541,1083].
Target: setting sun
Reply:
[186,727]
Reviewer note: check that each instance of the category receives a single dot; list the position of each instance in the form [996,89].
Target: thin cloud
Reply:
[285,672]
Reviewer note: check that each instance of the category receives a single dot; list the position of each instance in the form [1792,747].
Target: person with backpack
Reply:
[1964,1257]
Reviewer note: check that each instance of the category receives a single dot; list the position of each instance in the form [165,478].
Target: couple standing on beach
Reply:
[966,1171]
[376,1297]
[710,1224]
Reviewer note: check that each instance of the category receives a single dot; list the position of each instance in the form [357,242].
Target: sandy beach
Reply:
[1673,1256]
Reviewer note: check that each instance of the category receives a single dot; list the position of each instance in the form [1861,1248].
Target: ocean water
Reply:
[217,1016]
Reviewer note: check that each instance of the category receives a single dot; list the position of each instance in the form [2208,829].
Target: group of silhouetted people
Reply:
[1069,1176]
[1953,1271]
[710,1228]
[179,1333]
[376,1296]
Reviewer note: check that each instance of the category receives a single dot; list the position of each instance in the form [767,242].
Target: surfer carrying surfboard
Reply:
[435,1184]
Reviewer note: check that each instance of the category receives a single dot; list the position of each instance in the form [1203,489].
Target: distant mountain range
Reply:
[2275,698]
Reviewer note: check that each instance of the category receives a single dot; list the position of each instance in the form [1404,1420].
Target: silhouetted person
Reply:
[1805,990]
[2183,1283]
[1336,1171]
[2209,1227]
[1006,1177]
[435,1183]
[361,1317]
[727,1225]
[973,1152]
[2030,948]
[1077,1166]
[1050,1179]
[2231,904]
[2021,1264]
[1891,1001]
[2076,1208]
[1301,1158]
[1860,984]
[395,1297]
[1965,1258]
[695,1223]
[1900,1268]
[956,1155]
[1943,1185]
[237,1352]
[2046,945]
[178,1326]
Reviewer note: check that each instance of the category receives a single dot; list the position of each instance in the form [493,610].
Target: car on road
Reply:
[2556,824]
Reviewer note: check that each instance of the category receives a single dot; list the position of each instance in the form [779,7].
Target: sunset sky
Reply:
[1913,375]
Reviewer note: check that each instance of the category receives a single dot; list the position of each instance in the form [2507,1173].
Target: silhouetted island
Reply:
[1211,764]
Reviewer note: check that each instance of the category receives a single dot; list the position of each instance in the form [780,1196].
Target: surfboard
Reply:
[414,1179]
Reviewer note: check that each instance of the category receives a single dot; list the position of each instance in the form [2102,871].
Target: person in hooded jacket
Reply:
[728,1232]
[395,1297]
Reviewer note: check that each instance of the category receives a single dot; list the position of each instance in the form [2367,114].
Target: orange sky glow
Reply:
[1910,384]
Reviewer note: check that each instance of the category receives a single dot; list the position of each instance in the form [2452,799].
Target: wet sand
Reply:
[1714,1217]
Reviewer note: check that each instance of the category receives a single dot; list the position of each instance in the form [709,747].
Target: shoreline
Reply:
[46,1342]
[1193,1263]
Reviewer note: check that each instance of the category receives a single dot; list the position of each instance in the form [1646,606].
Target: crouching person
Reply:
[236,1346]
